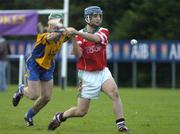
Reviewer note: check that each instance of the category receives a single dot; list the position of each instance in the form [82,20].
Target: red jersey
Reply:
[94,54]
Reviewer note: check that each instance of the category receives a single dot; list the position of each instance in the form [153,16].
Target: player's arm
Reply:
[52,36]
[88,36]
[57,33]
[76,50]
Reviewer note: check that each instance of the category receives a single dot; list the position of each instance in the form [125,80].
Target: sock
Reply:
[120,122]
[62,118]
[21,88]
[30,113]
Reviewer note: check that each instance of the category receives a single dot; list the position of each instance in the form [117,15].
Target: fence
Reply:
[121,55]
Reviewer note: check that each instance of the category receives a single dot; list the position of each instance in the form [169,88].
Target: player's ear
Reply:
[87,19]
[61,21]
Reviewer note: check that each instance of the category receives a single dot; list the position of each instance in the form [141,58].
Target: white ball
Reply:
[133,42]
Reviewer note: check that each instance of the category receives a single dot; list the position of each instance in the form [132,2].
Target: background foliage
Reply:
[141,19]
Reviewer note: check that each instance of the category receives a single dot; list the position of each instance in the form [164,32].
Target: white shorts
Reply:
[92,82]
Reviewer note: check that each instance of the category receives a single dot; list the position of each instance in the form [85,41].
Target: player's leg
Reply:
[1,76]
[3,79]
[46,84]
[32,91]
[90,85]
[43,99]
[78,111]
[4,75]
[46,93]
[89,89]
[110,88]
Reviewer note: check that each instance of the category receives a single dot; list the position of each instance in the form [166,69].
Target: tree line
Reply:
[126,19]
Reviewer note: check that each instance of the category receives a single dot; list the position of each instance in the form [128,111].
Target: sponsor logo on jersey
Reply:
[93,49]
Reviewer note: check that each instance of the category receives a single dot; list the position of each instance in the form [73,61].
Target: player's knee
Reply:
[46,98]
[114,93]
[81,113]
[33,97]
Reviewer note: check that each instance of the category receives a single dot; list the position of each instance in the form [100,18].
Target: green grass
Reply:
[147,111]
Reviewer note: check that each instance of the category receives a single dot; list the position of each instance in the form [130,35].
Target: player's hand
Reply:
[52,35]
[71,31]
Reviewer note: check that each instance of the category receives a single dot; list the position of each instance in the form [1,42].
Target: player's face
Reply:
[55,24]
[96,19]
[51,27]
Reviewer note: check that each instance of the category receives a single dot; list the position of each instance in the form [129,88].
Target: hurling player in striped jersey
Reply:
[89,46]
[41,65]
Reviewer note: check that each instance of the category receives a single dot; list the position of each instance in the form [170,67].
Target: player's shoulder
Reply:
[103,28]
[40,35]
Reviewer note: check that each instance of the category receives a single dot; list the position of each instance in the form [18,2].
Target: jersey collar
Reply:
[95,30]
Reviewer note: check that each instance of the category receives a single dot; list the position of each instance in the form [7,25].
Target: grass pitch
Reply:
[147,111]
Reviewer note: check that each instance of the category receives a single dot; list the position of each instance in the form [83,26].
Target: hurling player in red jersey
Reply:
[89,46]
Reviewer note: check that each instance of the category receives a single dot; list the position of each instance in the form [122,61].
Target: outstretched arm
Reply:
[89,36]
[76,50]
[56,33]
